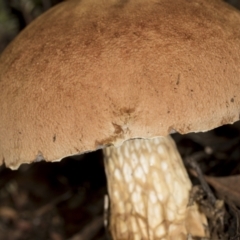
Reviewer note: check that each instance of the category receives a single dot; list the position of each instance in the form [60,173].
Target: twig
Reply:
[89,231]
[192,161]
[42,210]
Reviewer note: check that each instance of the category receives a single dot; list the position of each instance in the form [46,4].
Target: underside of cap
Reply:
[88,73]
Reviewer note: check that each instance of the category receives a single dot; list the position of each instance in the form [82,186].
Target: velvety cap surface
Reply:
[91,73]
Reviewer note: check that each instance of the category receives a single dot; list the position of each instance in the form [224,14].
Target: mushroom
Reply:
[124,74]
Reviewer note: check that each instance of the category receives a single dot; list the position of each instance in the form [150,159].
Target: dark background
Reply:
[64,200]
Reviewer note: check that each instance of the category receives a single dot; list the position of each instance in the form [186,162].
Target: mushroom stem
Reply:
[149,192]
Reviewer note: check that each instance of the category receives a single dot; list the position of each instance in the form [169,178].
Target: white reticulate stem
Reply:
[149,192]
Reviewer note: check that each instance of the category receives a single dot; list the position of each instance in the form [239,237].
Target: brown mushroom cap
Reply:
[90,73]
